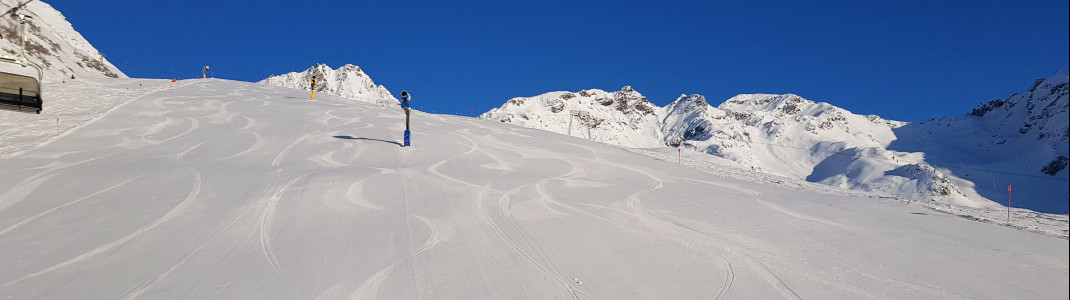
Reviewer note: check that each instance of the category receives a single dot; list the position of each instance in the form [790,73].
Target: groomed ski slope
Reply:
[234,190]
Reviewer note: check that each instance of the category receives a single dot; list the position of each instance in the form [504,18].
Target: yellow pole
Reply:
[313,95]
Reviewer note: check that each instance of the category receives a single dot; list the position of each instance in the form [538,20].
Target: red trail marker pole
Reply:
[1009,194]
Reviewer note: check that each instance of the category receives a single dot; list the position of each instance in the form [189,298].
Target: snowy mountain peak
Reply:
[686,103]
[623,118]
[348,81]
[753,99]
[786,104]
[1058,78]
[53,44]
[350,67]
[689,118]
[1040,112]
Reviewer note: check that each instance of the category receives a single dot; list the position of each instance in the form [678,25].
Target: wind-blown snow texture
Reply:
[53,44]
[347,81]
[953,160]
[221,189]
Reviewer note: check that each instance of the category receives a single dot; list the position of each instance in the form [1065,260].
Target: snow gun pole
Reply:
[405,105]
[313,88]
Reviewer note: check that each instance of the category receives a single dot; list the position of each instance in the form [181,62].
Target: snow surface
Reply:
[210,188]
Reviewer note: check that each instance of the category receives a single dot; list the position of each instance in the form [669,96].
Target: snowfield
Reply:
[224,189]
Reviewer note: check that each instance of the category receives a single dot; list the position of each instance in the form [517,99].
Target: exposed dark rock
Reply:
[1055,166]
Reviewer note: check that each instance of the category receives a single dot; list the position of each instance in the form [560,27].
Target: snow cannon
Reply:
[405,105]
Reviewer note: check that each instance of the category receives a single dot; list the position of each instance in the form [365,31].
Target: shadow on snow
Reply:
[346,137]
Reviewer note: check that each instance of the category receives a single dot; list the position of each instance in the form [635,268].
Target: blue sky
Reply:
[904,59]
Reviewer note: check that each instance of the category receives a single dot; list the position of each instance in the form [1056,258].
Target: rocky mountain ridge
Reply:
[791,136]
[53,44]
[348,81]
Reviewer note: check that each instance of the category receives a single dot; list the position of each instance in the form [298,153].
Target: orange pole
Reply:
[1009,194]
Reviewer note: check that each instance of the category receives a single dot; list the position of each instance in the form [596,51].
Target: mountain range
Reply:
[959,160]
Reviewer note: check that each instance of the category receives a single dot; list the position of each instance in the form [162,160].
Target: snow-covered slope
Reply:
[53,44]
[347,81]
[1021,141]
[790,136]
[234,190]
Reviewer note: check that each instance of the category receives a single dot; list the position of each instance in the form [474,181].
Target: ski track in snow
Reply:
[258,143]
[473,147]
[90,196]
[503,203]
[354,189]
[102,100]
[686,237]
[171,214]
[372,286]
[635,203]
[681,234]
[538,256]
[151,281]
[285,151]
[267,218]
[30,184]
[859,232]
[182,155]
[796,214]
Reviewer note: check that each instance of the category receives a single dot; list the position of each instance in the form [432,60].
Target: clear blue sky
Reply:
[901,59]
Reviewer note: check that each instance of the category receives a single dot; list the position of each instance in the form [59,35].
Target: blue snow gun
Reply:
[405,105]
